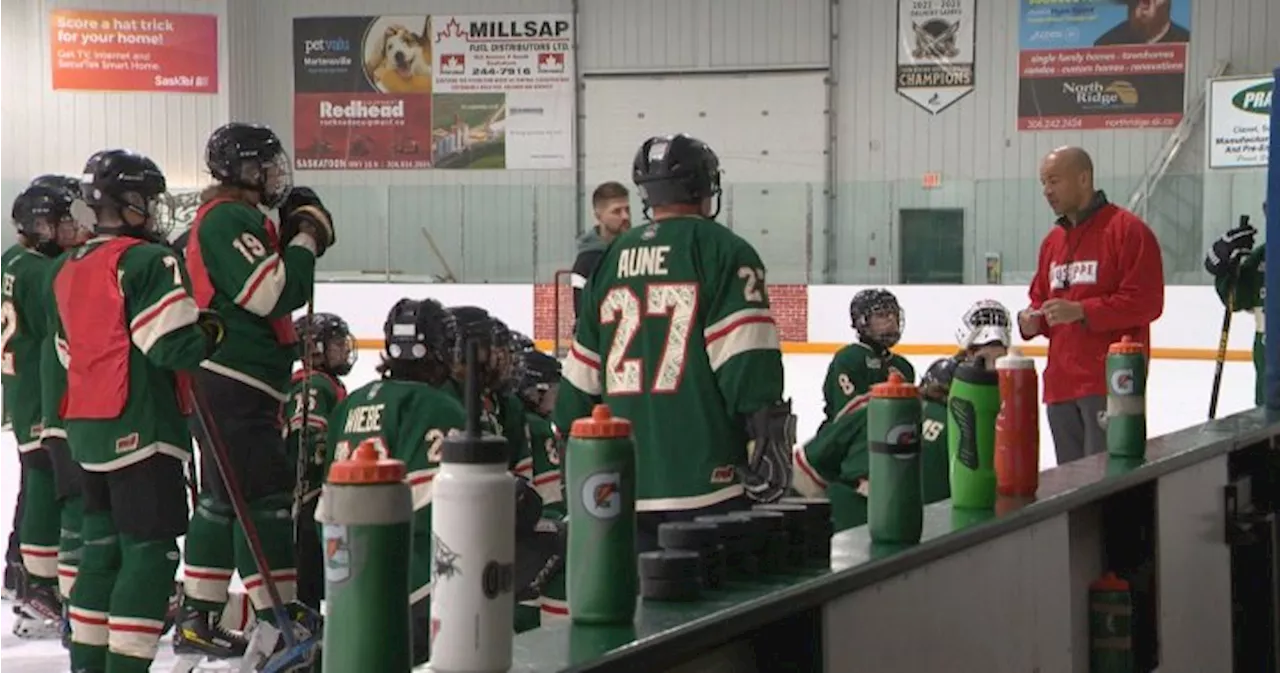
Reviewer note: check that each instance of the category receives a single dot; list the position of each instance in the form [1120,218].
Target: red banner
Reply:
[133,51]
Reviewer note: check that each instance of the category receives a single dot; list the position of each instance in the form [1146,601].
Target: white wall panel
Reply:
[698,35]
[989,168]
[767,129]
[47,131]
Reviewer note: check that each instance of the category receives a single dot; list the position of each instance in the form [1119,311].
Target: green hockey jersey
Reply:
[53,350]
[112,423]
[1250,292]
[253,283]
[545,459]
[935,463]
[22,329]
[852,372]
[675,334]
[409,421]
[324,392]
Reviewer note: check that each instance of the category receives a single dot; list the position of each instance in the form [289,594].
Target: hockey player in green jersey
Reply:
[255,275]
[130,325]
[503,411]
[675,334]
[878,320]
[42,215]
[1238,270]
[332,356]
[408,412]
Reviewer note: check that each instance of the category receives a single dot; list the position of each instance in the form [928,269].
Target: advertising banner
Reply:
[1239,124]
[109,50]
[935,52]
[1102,64]
[447,91]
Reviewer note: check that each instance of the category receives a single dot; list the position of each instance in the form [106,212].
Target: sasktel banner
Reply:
[447,91]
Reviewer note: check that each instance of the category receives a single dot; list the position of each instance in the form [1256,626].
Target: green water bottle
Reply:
[972,408]
[367,510]
[1110,626]
[600,485]
[1127,399]
[895,507]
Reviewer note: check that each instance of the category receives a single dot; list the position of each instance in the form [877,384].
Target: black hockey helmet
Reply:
[538,372]
[127,182]
[676,169]
[250,156]
[37,212]
[872,303]
[521,342]
[419,331]
[62,183]
[936,382]
[327,331]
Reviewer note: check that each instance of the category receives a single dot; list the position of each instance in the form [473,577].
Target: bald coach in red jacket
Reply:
[1100,277]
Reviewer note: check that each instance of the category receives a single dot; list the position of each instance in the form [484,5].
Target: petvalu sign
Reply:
[1239,130]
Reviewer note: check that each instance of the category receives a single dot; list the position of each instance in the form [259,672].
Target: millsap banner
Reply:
[1238,129]
[1102,64]
[417,91]
[935,52]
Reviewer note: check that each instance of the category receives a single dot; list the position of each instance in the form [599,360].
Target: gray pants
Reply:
[1077,427]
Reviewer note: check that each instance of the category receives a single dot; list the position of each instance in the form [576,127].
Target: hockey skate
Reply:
[270,652]
[39,615]
[202,634]
[12,580]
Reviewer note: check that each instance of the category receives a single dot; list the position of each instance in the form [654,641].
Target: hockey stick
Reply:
[241,509]
[448,273]
[300,468]
[1221,358]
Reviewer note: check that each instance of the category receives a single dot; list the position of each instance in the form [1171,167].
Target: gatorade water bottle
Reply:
[600,485]
[895,507]
[1126,399]
[971,428]
[366,511]
[1110,626]
[1018,426]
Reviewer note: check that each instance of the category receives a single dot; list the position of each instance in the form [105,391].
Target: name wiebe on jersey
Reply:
[1062,276]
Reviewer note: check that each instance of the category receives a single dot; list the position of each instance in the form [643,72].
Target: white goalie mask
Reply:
[986,322]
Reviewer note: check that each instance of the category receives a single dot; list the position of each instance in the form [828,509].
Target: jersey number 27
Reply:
[624,308]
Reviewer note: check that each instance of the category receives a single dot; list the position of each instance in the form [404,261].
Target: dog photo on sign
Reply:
[397,54]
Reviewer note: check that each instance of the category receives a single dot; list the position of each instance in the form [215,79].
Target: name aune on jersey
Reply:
[1062,276]
[646,261]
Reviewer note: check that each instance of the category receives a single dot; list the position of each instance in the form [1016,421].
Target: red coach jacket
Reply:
[1109,262]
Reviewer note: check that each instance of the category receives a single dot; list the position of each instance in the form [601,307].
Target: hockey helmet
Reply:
[328,332]
[986,322]
[521,342]
[877,317]
[250,156]
[63,183]
[128,182]
[419,331]
[539,371]
[37,212]
[676,169]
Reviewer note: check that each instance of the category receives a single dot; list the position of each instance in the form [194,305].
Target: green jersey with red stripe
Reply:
[852,372]
[676,335]
[324,393]
[22,330]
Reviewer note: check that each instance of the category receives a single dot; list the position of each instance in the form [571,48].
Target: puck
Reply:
[732,528]
[818,509]
[773,558]
[690,535]
[670,590]
[769,521]
[671,564]
[715,567]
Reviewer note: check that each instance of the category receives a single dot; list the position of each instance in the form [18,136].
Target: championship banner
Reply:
[1239,122]
[1102,64]
[449,91]
[109,50]
[935,52]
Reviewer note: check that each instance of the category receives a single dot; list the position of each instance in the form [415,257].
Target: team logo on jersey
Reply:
[723,474]
[127,443]
[873,363]
[650,230]
[1122,382]
[337,553]
[602,496]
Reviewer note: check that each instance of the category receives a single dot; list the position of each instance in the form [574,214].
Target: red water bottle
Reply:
[1018,426]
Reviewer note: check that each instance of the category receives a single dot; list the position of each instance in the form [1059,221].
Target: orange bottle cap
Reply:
[1109,582]
[1126,346]
[600,425]
[367,466]
[895,388]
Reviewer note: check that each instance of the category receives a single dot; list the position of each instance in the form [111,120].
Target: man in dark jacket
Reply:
[611,204]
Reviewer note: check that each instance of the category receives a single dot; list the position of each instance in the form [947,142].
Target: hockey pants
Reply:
[247,423]
[40,518]
[132,519]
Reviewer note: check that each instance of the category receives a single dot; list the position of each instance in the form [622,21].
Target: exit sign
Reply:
[931,180]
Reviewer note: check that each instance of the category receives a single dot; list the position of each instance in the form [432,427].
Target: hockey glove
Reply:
[303,213]
[539,558]
[213,327]
[771,432]
[1227,251]
[528,507]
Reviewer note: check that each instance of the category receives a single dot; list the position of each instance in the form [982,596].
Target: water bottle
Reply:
[600,485]
[972,408]
[1110,626]
[1126,399]
[1018,426]
[895,507]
